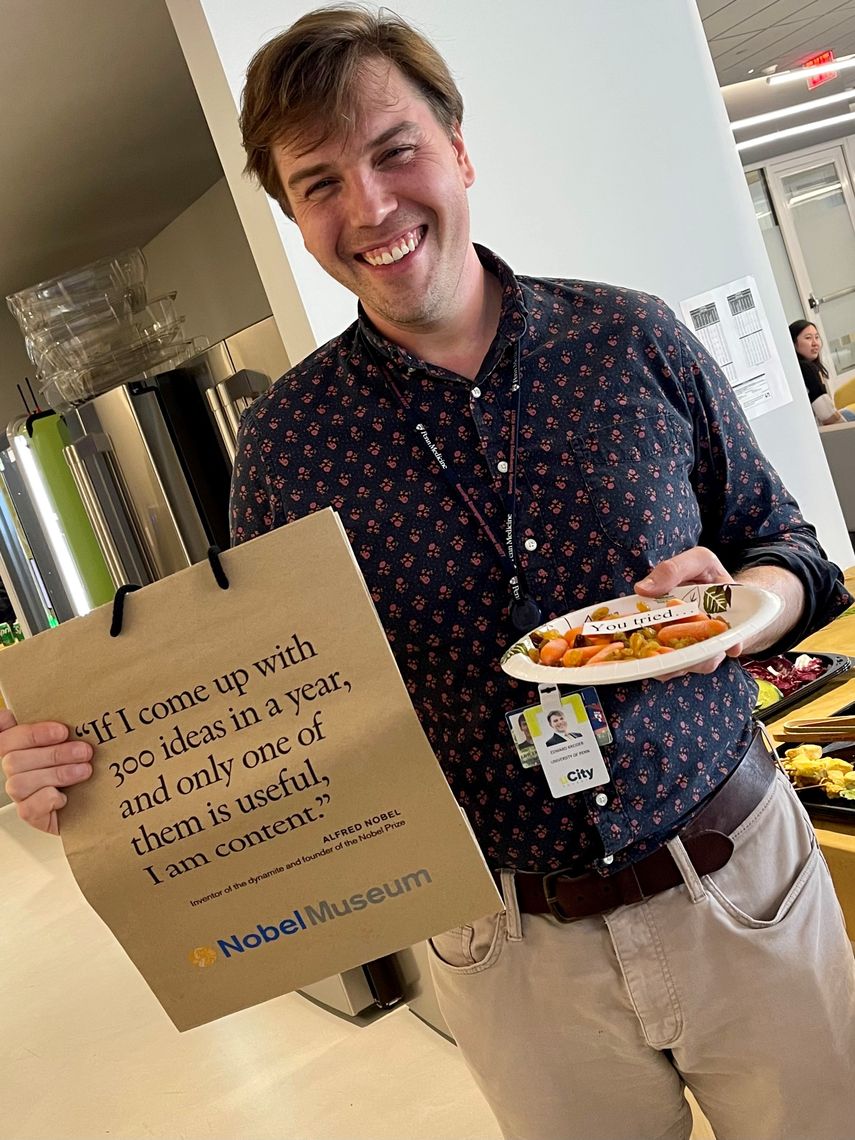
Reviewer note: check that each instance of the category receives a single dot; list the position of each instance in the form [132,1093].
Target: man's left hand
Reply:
[694,565]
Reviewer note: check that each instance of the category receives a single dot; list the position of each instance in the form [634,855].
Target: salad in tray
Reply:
[781,676]
[789,679]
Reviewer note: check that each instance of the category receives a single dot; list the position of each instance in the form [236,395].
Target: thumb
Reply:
[698,564]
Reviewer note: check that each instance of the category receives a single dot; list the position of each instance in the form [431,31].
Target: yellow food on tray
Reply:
[808,768]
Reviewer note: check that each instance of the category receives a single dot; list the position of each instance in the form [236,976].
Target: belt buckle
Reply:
[552,899]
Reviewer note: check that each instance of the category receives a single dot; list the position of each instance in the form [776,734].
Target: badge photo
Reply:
[566,745]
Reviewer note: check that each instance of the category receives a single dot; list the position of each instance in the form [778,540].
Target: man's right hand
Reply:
[39,760]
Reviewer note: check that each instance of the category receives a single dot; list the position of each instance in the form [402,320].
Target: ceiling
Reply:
[103,142]
[746,36]
[749,38]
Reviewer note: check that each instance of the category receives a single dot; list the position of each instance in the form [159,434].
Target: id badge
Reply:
[558,734]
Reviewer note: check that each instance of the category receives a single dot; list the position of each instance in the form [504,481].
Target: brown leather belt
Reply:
[706,839]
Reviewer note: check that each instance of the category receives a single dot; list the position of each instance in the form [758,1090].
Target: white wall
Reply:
[204,255]
[603,150]
[255,211]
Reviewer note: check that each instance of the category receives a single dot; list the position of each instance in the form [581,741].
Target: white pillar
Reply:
[602,149]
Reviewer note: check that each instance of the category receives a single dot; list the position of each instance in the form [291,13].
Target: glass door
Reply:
[816,209]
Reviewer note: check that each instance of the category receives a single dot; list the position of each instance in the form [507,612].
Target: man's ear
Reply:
[464,162]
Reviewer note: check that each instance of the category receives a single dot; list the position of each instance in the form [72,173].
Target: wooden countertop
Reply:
[836,839]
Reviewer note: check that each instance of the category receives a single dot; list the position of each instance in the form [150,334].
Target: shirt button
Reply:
[502,467]
[601,799]
[608,859]
[530,544]
[476,392]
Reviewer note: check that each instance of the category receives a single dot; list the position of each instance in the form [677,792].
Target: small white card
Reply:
[627,622]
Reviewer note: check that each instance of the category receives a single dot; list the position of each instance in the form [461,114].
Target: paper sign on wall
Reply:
[731,323]
[265,810]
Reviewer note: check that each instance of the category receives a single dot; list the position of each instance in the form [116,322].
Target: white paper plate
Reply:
[748,609]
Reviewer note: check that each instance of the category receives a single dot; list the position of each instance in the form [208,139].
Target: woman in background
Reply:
[808,345]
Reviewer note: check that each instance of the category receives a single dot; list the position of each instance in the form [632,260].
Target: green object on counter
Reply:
[48,440]
[18,632]
[767,694]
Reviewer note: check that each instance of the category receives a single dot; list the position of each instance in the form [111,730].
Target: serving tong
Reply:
[819,730]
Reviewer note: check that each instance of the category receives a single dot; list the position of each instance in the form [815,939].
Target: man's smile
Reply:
[395,250]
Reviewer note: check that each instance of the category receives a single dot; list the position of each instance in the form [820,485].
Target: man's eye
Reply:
[397,152]
[316,187]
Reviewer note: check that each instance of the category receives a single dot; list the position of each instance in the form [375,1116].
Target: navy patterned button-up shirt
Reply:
[632,448]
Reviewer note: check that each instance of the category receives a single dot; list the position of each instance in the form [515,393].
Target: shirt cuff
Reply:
[825,596]
[823,408]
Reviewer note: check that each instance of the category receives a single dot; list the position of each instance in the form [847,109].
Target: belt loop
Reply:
[771,747]
[680,855]
[509,894]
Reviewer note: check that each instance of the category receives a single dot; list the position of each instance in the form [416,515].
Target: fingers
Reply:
[23,736]
[40,809]
[39,760]
[36,768]
[695,565]
[709,666]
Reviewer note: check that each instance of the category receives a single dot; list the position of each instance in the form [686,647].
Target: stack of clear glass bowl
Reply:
[94,328]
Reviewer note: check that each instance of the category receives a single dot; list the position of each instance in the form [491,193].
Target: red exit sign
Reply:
[821,76]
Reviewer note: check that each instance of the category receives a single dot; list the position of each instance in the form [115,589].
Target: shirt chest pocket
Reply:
[636,473]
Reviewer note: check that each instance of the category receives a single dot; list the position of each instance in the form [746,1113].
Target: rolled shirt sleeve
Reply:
[749,517]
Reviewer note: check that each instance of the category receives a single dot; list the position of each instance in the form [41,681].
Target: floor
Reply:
[87,1053]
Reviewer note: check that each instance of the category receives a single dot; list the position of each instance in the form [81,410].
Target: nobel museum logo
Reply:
[305,917]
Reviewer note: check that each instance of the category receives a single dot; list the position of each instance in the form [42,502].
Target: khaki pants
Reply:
[740,985]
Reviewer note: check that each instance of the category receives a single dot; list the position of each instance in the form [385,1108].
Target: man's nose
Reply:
[369,201]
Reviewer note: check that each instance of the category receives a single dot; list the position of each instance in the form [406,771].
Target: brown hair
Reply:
[302,85]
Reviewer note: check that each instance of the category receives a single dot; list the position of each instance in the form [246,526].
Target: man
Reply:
[499,446]
[523,741]
[561,730]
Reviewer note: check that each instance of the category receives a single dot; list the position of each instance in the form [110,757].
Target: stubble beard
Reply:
[416,308]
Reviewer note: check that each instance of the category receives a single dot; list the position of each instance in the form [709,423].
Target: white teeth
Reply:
[395,253]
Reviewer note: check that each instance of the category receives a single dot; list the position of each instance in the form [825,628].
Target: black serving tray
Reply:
[816,802]
[835,664]
[819,806]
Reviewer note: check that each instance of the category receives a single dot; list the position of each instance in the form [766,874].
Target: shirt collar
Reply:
[513,320]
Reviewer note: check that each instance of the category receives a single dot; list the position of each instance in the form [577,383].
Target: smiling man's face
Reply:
[558,721]
[384,209]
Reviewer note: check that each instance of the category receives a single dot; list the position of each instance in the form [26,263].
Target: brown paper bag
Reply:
[265,810]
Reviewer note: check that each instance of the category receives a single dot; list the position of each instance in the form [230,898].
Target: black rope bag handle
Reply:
[219,573]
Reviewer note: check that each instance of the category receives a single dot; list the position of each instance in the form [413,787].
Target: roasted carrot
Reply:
[691,632]
[575,657]
[606,652]
[553,650]
[598,639]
